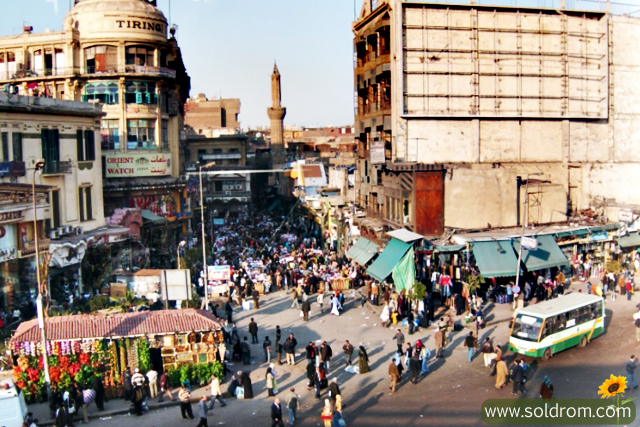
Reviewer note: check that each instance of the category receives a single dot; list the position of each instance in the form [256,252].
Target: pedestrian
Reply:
[326,354]
[216,393]
[305,308]
[253,330]
[98,386]
[347,348]
[269,380]
[317,381]
[60,416]
[88,397]
[152,376]
[334,390]
[245,382]
[276,414]
[425,354]
[292,405]
[363,360]
[385,318]
[487,351]
[439,339]
[278,351]
[165,388]
[516,374]
[414,366]
[126,384]
[234,332]
[203,408]
[632,364]
[337,413]
[137,380]
[410,322]
[256,298]
[394,375]
[266,346]
[320,300]
[399,337]
[67,404]
[185,402]
[245,351]
[501,373]
[470,343]
[335,306]
[278,334]
[294,296]
[290,349]
[327,414]
[546,389]
[311,374]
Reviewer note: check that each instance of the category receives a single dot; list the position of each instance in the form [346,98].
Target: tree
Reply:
[417,292]
[96,267]
[475,280]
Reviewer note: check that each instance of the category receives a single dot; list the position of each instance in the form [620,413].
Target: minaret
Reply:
[276,114]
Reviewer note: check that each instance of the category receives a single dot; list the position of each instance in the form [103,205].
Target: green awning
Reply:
[362,251]
[577,233]
[547,255]
[450,248]
[389,258]
[147,215]
[404,274]
[495,258]
[630,240]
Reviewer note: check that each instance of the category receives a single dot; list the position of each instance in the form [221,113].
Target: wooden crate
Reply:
[259,287]
[341,284]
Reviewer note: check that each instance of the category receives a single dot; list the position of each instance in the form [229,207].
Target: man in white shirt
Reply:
[152,376]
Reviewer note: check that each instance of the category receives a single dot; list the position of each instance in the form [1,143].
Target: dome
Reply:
[117,19]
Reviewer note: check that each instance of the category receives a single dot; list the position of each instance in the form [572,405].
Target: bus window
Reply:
[572,318]
[559,323]
[599,309]
[526,328]
[584,314]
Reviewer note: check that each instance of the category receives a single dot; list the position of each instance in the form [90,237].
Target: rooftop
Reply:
[32,104]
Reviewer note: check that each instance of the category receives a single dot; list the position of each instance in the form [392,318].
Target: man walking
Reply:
[516,374]
[290,349]
[278,351]
[470,343]
[152,376]
[632,364]
[202,411]
[266,346]
[347,348]
[306,308]
[487,351]
[438,337]
[325,355]
[276,414]
[294,294]
[399,337]
[292,405]
[165,388]
[253,330]
[256,298]
[185,402]
[394,375]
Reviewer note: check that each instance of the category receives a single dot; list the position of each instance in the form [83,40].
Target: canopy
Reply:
[389,258]
[362,251]
[495,258]
[151,217]
[630,240]
[405,235]
[547,255]
[404,274]
[450,248]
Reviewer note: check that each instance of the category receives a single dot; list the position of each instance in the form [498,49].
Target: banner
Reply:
[136,165]
[404,274]
[219,273]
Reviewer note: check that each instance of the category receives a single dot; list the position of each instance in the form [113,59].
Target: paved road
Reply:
[451,395]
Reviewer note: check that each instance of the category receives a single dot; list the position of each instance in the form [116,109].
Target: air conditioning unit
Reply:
[68,229]
[227,193]
[54,234]
[184,178]
[238,187]
[79,230]
[60,231]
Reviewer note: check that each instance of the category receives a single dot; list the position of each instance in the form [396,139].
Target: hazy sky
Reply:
[229,47]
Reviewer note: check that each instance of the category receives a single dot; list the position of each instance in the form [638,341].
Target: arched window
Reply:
[101,59]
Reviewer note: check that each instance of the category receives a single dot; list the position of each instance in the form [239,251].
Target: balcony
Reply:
[29,248]
[38,73]
[12,169]
[133,69]
[220,156]
[52,168]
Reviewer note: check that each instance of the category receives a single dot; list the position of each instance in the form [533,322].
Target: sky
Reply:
[229,47]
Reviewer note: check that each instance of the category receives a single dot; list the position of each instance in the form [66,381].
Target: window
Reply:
[527,327]
[140,56]
[110,134]
[50,139]
[86,145]
[141,134]
[140,93]
[223,117]
[101,59]
[103,92]
[234,150]
[164,134]
[5,147]
[54,221]
[17,146]
[84,204]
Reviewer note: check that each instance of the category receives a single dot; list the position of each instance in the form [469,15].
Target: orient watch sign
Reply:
[137,165]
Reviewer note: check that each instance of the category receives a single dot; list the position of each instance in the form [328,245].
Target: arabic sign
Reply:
[12,169]
[529,243]
[219,272]
[625,215]
[137,165]
[377,152]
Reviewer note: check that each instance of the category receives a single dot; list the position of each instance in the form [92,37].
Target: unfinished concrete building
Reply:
[457,105]
[208,117]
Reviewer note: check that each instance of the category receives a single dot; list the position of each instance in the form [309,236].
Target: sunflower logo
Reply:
[613,386]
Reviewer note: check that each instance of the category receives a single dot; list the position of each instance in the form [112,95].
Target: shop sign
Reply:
[625,215]
[140,25]
[13,216]
[137,165]
[219,273]
[8,250]
[12,169]
[529,243]
[31,249]
[598,236]
[377,152]
[218,221]
[119,238]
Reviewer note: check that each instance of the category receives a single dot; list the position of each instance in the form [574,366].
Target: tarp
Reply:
[362,251]
[404,274]
[548,254]
[151,217]
[388,259]
[630,240]
[450,248]
[495,258]
[405,235]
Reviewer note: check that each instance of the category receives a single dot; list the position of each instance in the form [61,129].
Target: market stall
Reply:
[184,343]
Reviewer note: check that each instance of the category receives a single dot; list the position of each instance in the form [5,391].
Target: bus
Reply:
[544,329]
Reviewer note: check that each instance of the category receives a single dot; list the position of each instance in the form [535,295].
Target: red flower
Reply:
[34,375]
[21,384]
[63,362]
[83,358]
[41,362]
[74,368]
[54,374]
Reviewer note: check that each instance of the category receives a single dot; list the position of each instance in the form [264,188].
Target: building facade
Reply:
[121,55]
[68,211]
[208,117]
[460,106]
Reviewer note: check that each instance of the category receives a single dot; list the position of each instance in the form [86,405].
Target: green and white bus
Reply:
[544,329]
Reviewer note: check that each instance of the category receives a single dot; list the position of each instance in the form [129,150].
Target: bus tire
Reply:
[547,354]
[584,341]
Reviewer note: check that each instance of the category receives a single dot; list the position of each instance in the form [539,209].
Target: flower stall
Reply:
[187,342]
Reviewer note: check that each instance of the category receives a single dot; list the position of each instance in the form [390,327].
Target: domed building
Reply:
[122,55]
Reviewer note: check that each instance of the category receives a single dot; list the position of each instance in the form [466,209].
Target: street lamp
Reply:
[39,165]
[180,245]
[205,278]
[526,216]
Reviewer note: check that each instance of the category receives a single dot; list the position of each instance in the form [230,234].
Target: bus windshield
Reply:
[527,328]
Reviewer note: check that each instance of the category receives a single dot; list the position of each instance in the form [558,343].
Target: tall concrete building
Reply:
[276,114]
[457,105]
